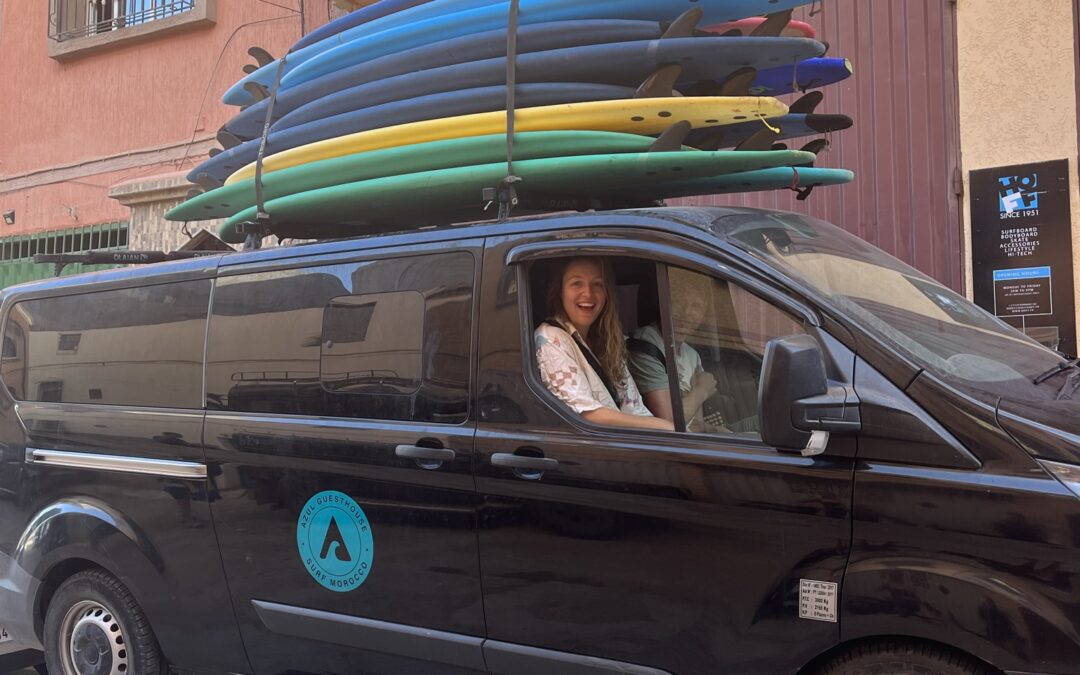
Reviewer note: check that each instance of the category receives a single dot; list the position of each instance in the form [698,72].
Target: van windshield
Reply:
[930,324]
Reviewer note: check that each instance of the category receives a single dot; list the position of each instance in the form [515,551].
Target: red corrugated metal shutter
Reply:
[904,147]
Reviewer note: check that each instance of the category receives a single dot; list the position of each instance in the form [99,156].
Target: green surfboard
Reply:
[227,200]
[402,201]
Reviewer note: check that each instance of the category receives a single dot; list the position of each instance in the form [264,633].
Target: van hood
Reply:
[1046,429]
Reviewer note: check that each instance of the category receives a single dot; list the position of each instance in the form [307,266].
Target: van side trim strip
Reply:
[377,636]
[465,651]
[505,658]
[84,460]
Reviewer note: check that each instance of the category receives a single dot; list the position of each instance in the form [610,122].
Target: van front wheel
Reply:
[897,657]
[93,626]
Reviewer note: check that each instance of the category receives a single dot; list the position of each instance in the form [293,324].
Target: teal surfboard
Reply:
[224,201]
[778,178]
[381,203]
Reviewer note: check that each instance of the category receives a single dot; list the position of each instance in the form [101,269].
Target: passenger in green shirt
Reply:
[649,369]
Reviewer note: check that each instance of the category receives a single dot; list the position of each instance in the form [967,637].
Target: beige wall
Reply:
[1017,93]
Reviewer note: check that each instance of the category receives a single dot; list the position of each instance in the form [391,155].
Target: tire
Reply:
[899,657]
[93,626]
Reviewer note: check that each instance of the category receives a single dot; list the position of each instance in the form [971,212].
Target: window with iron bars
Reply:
[82,18]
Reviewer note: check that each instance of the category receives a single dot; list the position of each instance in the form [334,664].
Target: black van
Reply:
[340,458]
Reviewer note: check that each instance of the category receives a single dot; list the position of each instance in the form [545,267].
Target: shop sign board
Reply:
[1021,249]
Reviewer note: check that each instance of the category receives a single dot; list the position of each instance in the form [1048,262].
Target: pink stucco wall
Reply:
[131,109]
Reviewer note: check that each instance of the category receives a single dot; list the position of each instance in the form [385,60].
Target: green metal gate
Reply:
[16,253]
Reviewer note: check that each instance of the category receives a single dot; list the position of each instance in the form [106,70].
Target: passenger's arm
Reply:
[702,387]
[659,403]
[616,418]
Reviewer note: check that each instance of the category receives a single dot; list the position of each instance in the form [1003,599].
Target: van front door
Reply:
[696,552]
[339,430]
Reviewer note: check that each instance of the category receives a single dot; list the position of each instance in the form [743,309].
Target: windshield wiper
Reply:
[1059,368]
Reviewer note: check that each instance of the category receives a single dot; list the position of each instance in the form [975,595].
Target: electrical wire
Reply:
[210,81]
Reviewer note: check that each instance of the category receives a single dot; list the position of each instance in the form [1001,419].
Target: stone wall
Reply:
[149,199]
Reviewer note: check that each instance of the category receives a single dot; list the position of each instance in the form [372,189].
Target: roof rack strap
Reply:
[505,193]
[261,216]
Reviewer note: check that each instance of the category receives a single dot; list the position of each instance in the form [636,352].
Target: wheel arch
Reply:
[1009,618]
[820,660]
[73,535]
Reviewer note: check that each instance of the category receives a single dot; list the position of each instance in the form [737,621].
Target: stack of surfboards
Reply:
[395,116]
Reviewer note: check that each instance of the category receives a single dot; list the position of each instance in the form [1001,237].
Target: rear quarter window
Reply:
[133,347]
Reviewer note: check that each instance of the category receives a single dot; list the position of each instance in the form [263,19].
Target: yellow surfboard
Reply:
[645,116]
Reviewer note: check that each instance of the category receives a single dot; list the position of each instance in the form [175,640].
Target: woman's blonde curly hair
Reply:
[605,337]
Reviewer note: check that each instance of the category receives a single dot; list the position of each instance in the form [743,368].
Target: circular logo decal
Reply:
[334,539]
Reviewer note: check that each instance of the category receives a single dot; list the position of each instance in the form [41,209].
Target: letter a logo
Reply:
[333,536]
[334,540]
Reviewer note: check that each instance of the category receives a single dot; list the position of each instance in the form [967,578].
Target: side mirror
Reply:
[797,405]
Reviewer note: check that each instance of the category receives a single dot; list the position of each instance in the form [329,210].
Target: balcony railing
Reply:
[70,19]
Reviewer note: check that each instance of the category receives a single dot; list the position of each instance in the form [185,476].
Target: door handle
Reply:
[426,458]
[524,462]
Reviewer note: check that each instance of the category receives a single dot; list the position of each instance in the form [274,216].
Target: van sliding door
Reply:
[338,398]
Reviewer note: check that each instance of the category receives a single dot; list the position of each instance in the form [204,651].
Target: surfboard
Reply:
[790,126]
[621,63]
[778,178]
[393,200]
[636,116]
[248,123]
[747,26]
[407,29]
[229,199]
[446,104]
[806,75]
[357,17]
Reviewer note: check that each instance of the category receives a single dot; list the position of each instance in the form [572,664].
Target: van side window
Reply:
[385,339]
[133,347]
[720,333]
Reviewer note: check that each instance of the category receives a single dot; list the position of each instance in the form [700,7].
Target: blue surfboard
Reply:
[248,123]
[409,28]
[806,75]
[355,18]
[447,104]
[621,63]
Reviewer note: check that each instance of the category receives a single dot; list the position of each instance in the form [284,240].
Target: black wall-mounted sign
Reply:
[1021,249]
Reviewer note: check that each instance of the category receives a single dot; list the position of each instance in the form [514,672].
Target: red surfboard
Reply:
[746,26]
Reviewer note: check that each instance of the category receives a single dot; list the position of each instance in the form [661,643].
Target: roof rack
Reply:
[200,245]
[62,260]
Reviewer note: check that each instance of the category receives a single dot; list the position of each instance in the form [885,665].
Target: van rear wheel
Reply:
[902,658]
[93,626]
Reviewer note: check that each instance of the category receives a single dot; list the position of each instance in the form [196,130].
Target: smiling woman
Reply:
[580,348]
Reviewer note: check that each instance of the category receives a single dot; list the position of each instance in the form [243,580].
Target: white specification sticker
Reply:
[817,600]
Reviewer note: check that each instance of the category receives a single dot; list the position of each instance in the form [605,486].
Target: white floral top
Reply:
[566,372]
